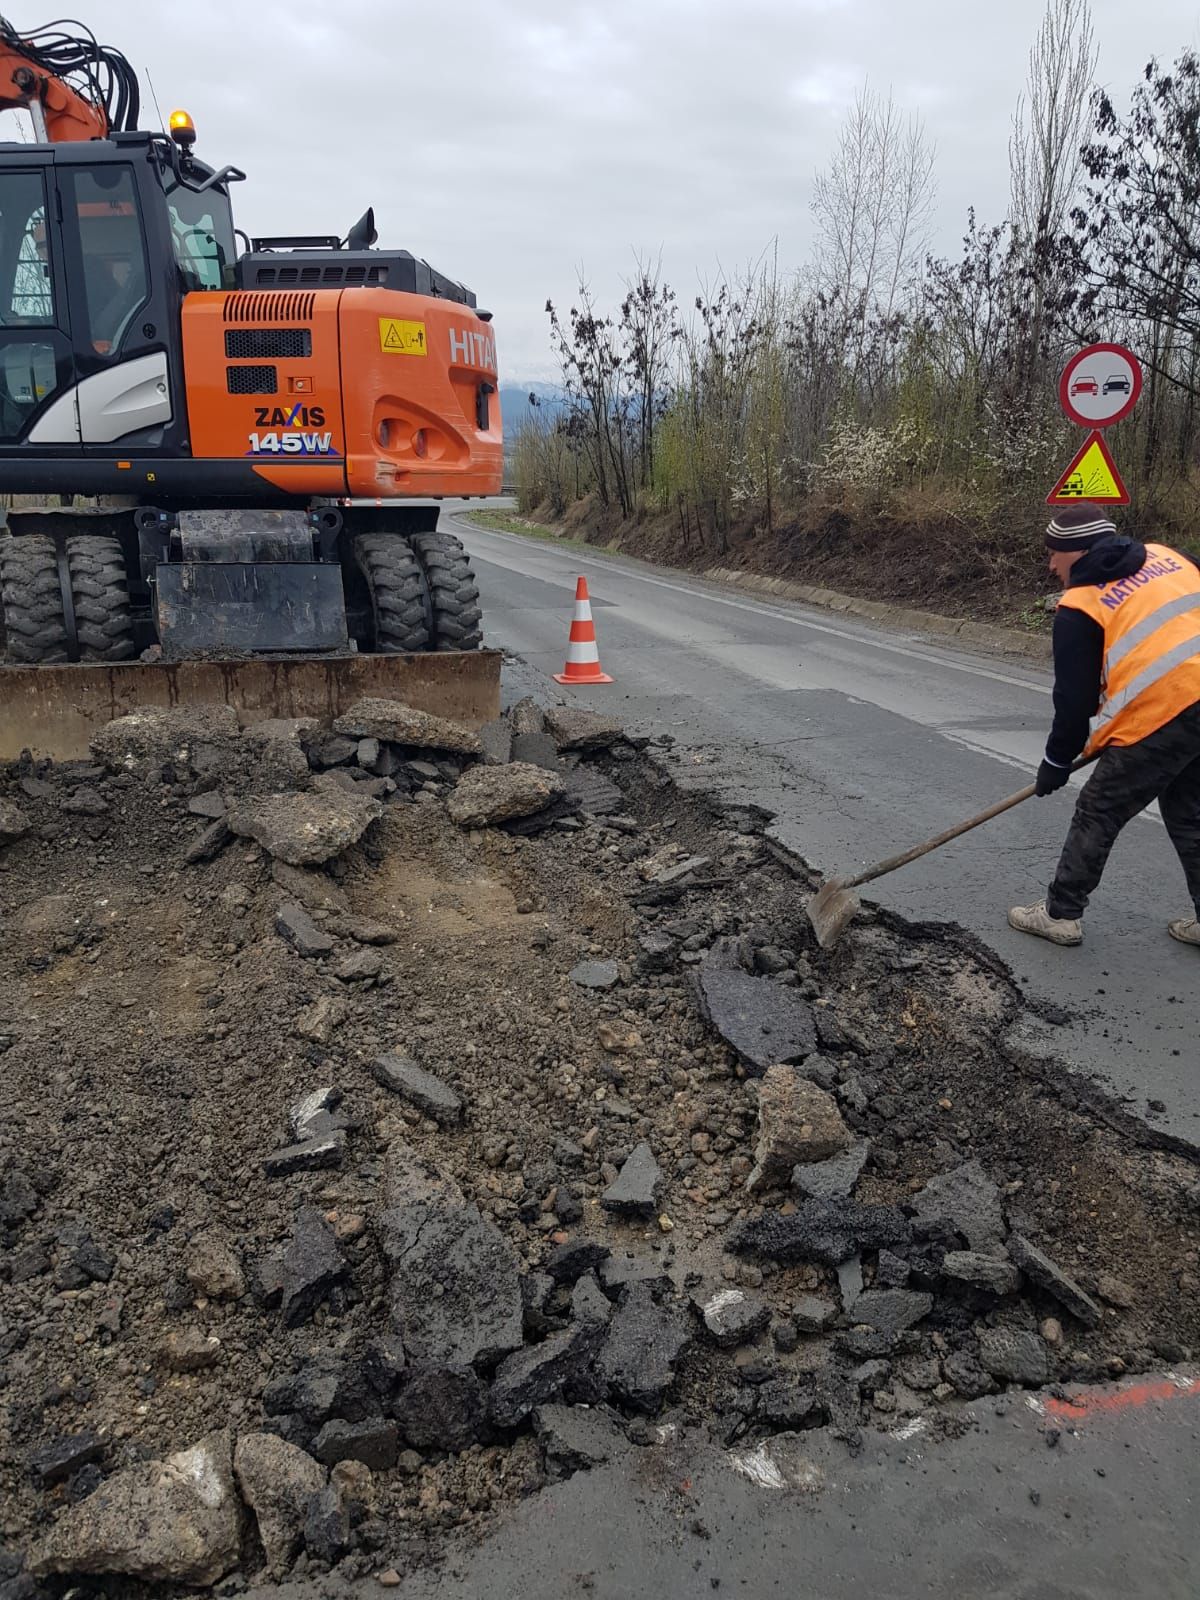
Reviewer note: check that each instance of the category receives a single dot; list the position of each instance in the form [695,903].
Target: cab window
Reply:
[29,370]
[26,287]
[202,231]
[104,202]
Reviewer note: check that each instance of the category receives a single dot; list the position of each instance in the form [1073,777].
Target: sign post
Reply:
[1099,386]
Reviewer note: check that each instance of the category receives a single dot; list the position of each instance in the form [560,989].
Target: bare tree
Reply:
[872,209]
[1051,122]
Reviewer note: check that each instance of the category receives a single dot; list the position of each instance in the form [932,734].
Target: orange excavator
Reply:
[211,446]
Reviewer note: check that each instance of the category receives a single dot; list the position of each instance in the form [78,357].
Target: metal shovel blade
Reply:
[830,910]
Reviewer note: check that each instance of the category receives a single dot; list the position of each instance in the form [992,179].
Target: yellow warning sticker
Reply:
[399,338]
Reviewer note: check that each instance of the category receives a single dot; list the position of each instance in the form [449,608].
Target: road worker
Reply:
[1126,685]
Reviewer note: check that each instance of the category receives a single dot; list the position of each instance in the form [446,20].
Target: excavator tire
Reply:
[100,590]
[35,623]
[453,590]
[35,628]
[397,590]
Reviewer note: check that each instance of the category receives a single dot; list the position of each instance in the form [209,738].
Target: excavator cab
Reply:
[99,245]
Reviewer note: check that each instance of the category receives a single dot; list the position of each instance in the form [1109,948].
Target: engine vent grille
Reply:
[252,380]
[348,277]
[267,344]
[246,306]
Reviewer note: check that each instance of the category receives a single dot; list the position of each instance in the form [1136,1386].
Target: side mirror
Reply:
[362,235]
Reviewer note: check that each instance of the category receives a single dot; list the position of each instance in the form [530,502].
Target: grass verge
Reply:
[509,522]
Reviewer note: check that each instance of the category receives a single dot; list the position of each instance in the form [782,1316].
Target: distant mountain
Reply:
[514,402]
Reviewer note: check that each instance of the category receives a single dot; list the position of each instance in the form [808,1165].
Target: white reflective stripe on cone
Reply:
[582,652]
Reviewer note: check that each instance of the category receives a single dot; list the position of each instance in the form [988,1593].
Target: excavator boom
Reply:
[73,87]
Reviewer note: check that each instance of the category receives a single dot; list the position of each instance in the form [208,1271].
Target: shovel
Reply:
[833,907]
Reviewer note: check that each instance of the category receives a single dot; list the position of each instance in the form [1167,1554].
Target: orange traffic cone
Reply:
[583,658]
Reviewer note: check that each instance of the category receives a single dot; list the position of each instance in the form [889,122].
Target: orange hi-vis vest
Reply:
[1151,623]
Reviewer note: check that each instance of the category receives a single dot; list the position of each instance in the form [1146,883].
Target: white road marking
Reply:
[760,610]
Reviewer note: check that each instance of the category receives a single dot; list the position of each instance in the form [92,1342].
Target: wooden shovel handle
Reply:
[882,868]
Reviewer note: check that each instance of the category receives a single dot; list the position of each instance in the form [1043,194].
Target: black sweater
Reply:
[1079,647]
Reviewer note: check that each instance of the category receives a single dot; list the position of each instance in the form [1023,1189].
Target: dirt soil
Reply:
[155,1028]
[937,562]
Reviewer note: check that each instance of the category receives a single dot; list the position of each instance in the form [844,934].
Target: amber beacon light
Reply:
[183,129]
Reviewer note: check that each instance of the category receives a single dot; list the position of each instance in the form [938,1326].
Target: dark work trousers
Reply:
[1165,766]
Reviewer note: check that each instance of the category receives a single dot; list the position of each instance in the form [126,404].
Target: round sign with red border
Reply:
[1100,385]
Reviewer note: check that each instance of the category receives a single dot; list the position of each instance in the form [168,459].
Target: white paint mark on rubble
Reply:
[779,1464]
[910,1429]
[726,1297]
[757,1465]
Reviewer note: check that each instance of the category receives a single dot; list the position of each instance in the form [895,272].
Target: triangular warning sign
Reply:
[1092,475]
[392,339]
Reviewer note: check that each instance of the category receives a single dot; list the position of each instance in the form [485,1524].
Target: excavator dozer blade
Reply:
[54,711]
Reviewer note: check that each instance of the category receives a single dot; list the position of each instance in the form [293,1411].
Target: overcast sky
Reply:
[511,141]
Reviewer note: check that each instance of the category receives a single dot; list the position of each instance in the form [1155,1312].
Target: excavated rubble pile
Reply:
[396,1119]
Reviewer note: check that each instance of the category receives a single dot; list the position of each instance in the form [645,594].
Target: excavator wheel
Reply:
[399,609]
[100,592]
[35,628]
[453,591]
[35,620]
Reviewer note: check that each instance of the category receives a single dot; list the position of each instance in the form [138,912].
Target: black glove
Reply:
[1050,777]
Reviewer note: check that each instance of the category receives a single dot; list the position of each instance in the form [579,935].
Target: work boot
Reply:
[1185,929]
[1038,921]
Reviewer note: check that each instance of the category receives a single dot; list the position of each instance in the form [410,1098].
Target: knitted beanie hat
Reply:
[1078,527]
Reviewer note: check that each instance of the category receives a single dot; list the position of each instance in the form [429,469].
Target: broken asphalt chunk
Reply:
[967,1199]
[311,1155]
[442,1408]
[312,1268]
[824,1231]
[835,1178]
[455,1285]
[395,723]
[1014,1356]
[530,1377]
[538,749]
[589,1303]
[576,1438]
[294,925]
[764,1021]
[304,830]
[997,1275]
[485,796]
[571,1260]
[419,1088]
[60,1458]
[891,1310]
[1039,1269]
[634,1192]
[209,843]
[814,1314]
[731,1316]
[573,728]
[645,1342]
[372,1441]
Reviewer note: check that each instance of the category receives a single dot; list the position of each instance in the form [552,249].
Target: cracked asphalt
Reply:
[996,1514]
[865,740]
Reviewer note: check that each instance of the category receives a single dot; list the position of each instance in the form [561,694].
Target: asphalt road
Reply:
[992,1515]
[864,741]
